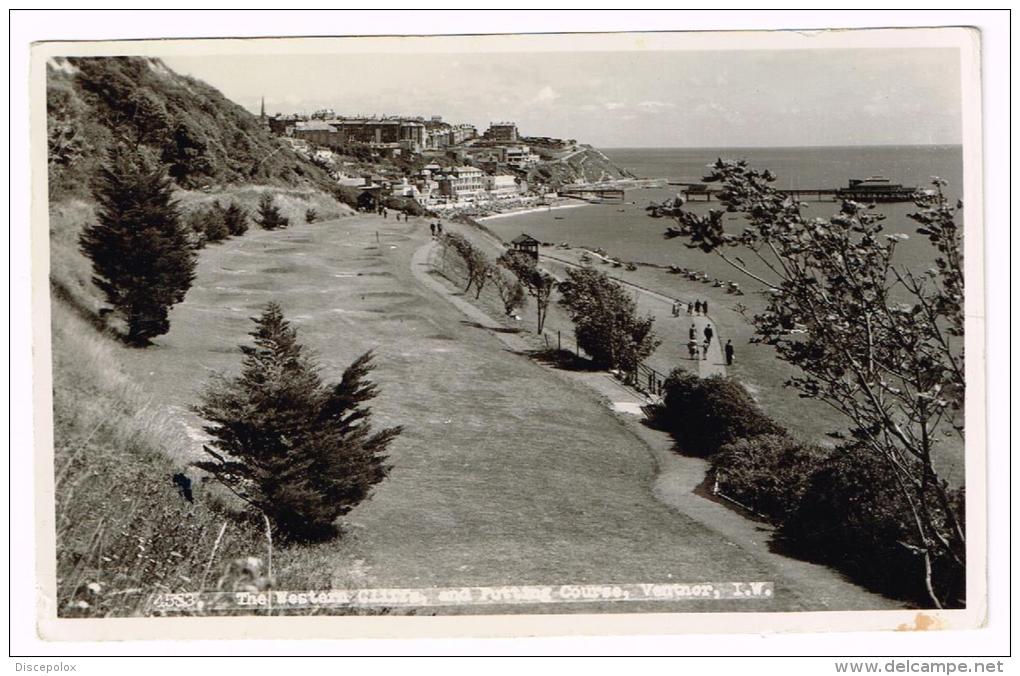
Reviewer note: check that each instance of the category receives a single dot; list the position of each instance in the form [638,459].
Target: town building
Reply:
[316,132]
[283,125]
[459,133]
[389,133]
[504,185]
[520,157]
[462,182]
[502,131]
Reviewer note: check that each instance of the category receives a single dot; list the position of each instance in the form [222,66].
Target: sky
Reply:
[726,98]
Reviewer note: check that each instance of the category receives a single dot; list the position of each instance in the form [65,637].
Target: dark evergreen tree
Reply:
[269,216]
[140,250]
[236,219]
[301,452]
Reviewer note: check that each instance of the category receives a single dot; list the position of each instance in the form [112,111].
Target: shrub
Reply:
[140,252]
[236,219]
[269,216]
[299,451]
[311,215]
[768,473]
[209,225]
[705,414]
[855,514]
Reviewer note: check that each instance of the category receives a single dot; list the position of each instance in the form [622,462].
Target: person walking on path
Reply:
[690,308]
[439,227]
[432,227]
[697,307]
[704,307]
[708,338]
[729,352]
[692,349]
[693,333]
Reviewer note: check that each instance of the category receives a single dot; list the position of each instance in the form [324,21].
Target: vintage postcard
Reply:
[509,334]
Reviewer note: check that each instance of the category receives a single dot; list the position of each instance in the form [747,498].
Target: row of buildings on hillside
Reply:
[395,134]
[500,144]
[489,167]
[436,187]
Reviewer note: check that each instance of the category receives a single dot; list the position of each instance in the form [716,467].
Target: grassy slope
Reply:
[94,102]
[122,526]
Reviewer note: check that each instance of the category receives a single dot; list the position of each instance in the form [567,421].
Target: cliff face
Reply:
[93,104]
[581,163]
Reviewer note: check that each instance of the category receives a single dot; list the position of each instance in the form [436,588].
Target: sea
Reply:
[625,231]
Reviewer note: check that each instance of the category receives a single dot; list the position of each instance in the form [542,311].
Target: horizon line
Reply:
[763,147]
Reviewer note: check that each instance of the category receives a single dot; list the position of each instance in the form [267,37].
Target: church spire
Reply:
[262,112]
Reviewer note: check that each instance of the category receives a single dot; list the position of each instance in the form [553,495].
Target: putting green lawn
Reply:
[507,473]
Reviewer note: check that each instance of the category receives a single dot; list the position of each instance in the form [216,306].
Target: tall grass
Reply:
[124,529]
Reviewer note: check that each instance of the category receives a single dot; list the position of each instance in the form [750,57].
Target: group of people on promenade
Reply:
[692,342]
[695,349]
[698,307]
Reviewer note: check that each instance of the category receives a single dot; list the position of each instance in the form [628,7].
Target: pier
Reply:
[800,194]
[596,195]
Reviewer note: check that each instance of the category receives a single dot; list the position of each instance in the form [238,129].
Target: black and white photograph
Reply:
[606,325]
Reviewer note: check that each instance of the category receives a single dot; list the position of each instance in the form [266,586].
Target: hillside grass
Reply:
[95,103]
[123,528]
[292,202]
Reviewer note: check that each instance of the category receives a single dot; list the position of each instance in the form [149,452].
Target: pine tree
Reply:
[300,451]
[236,219]
[269,216]
[141,255]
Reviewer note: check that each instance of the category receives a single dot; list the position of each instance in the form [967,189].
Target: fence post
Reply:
[559,343]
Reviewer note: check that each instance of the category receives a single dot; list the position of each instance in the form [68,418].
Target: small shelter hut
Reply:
[526,244]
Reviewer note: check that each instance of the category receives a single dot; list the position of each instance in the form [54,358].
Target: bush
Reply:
[236,219]
[209,225]
[311,215]
[299,451]
[854,514]
[768,473]
[269,216]
[705,414]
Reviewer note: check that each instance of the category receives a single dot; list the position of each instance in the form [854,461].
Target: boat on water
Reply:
[876,189]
